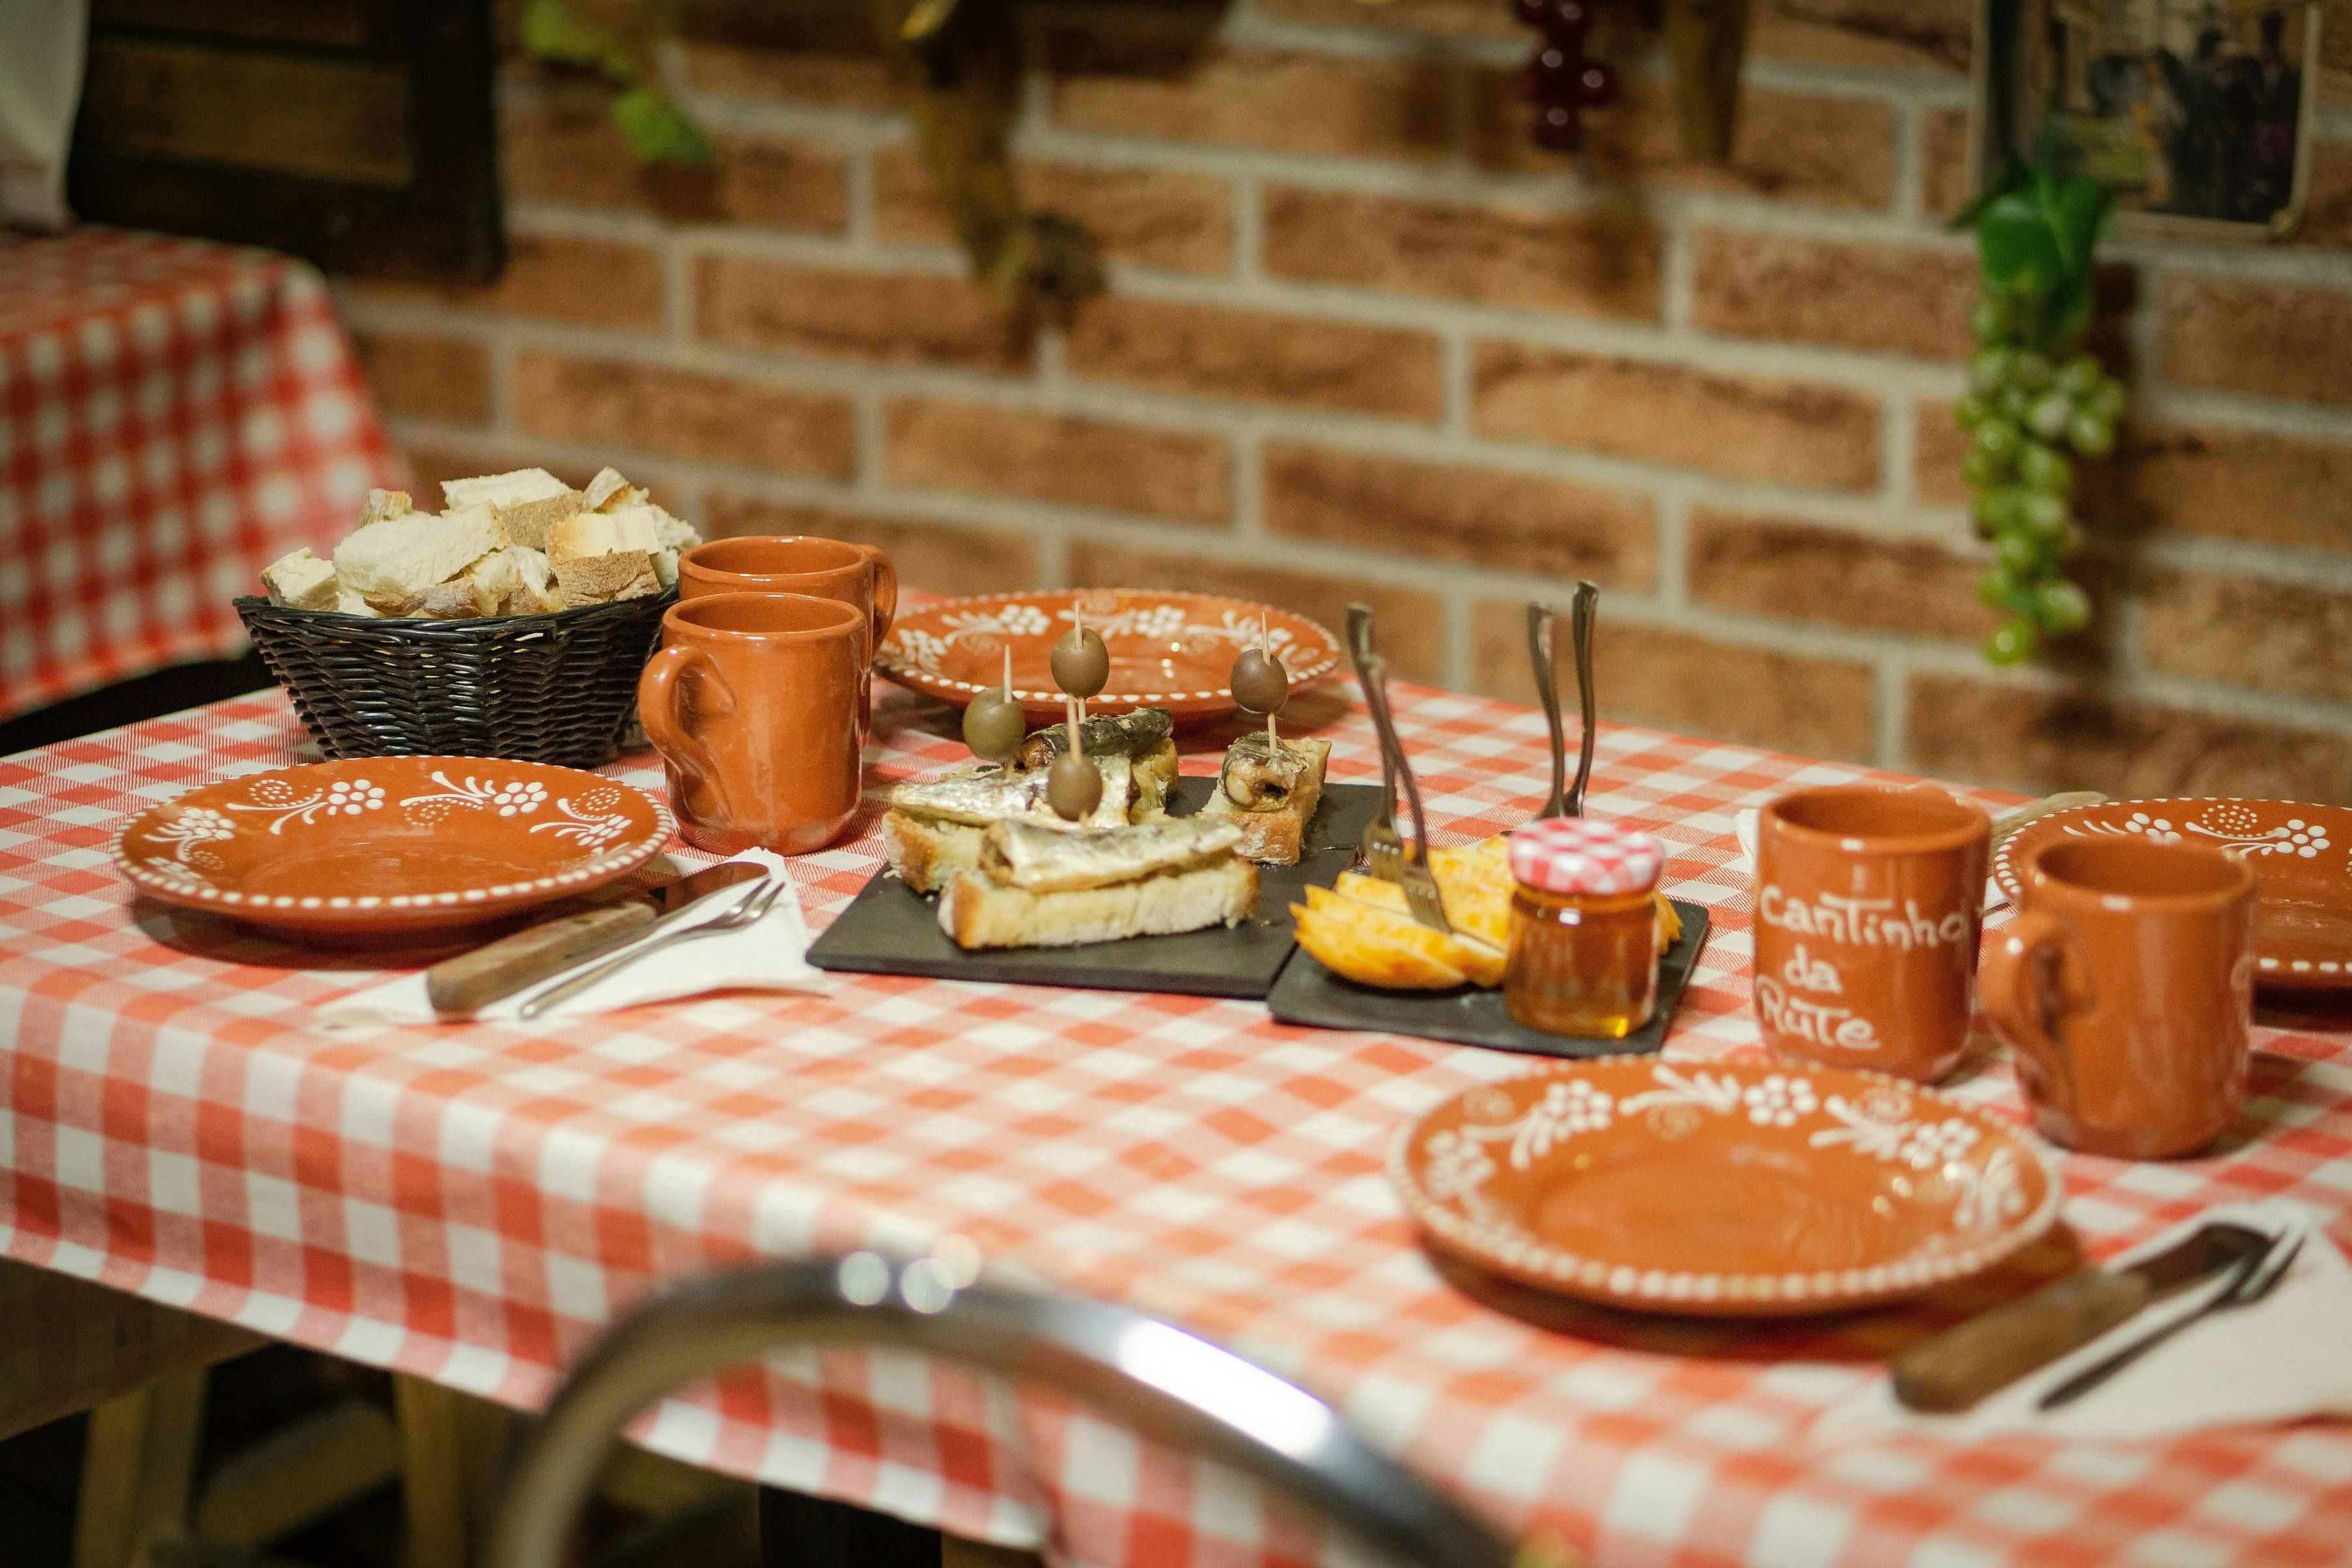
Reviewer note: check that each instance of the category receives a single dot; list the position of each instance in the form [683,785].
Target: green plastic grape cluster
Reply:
[2028,404]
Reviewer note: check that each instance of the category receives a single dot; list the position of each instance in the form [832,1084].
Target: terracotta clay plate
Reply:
[389,846]
[2300,856]
[1167,651]
[1720,1189]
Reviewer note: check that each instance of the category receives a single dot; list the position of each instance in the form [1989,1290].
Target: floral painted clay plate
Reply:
[389,846]
[2300,856]
[1167,651]
[1722,1189]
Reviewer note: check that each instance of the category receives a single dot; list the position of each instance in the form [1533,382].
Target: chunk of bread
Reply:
[607,487]
[300,581]
[928,851]
[1277,837]
[515,580]
[599,557]
[513,488]
[383,506]
[977,913]
[396,565]
[350,603]
[529,501]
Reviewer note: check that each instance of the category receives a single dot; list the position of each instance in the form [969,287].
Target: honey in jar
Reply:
[1583,958]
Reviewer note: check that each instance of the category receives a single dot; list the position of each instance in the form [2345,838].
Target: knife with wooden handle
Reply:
[1971,1360]
[461,986]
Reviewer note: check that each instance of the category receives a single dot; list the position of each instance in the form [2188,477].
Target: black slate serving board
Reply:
[1311,995]
[890,928]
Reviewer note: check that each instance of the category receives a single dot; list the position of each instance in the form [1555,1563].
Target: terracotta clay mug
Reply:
[2126,985]
[859,575]
[753,703]
[1868,905]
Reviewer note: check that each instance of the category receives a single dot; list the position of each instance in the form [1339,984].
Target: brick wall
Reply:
[1363,341]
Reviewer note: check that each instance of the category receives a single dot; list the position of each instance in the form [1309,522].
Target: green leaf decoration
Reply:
[551,32]
[658,130]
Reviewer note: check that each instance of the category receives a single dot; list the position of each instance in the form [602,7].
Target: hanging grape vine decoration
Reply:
[2034,395]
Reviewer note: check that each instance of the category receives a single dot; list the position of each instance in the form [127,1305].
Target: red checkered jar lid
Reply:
[1577,854]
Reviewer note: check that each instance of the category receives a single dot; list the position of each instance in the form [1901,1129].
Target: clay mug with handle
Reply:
[1869,901]
[858,575]
[2125,985]
[753,703]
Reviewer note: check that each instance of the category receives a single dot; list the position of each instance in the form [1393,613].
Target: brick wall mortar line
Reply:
[1466,184]
[2297,266]
[678,292]
[1895,479]
[1248,448]
[1246,196]
[1910,164]
[1890,711]
[1247,30]
[1560,329]
[2238,558]
[2157,399]
[862,201]
[1454,657]
[1674,550]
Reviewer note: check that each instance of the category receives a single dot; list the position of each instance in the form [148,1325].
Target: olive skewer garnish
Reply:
[1081,663]
[993,723]
[1261,685]
[1074,784]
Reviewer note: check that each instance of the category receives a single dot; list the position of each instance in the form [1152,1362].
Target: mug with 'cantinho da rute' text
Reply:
[1869,901]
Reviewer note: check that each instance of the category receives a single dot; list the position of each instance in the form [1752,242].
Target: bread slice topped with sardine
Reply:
[1270,793]
[1045,883]
[933,828]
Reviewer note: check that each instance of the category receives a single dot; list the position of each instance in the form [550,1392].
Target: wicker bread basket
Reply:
[557,688]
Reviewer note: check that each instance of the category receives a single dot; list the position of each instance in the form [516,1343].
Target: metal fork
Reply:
[1381,850]
[2256,1277]
[1420,894]
[1542,622]
[1582,610]
[745,911]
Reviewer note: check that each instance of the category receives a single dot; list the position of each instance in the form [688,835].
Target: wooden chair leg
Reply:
[450,1446]
[139,1470]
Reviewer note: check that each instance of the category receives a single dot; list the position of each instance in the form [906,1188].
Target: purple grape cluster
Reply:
[1561,79]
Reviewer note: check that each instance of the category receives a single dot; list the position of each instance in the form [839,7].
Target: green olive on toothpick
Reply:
[1081,663]
[1261,685]
[993,723]
[1074,784]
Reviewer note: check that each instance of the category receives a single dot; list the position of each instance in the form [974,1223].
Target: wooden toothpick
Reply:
[1273,742]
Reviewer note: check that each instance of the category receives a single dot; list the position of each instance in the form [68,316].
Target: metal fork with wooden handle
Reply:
[745,911]
[1420,894]
[1381,850]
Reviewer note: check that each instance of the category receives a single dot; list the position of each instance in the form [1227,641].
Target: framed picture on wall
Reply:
[2198,113]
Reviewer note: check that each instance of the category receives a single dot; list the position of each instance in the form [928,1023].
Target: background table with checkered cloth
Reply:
[173,417]
[469,1203]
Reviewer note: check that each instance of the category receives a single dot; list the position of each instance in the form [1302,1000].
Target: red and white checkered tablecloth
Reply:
[467,1204]
[173,416]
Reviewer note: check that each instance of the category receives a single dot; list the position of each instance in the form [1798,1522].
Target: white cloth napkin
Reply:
[1743,825]
[2283,1358]
[769,955]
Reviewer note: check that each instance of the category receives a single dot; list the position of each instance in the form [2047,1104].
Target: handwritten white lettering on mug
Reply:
[1807,973]
[1862,923]
[1816,1021]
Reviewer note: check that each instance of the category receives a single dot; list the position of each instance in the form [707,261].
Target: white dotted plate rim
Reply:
[374,909]
[2319,973]
[905,674]
[1514,1253]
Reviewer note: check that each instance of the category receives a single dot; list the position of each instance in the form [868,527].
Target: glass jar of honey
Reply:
[1583,959]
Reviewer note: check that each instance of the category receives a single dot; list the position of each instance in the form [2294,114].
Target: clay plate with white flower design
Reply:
[389,848]
[1167,649]
[1720,1189]
[2300,856]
